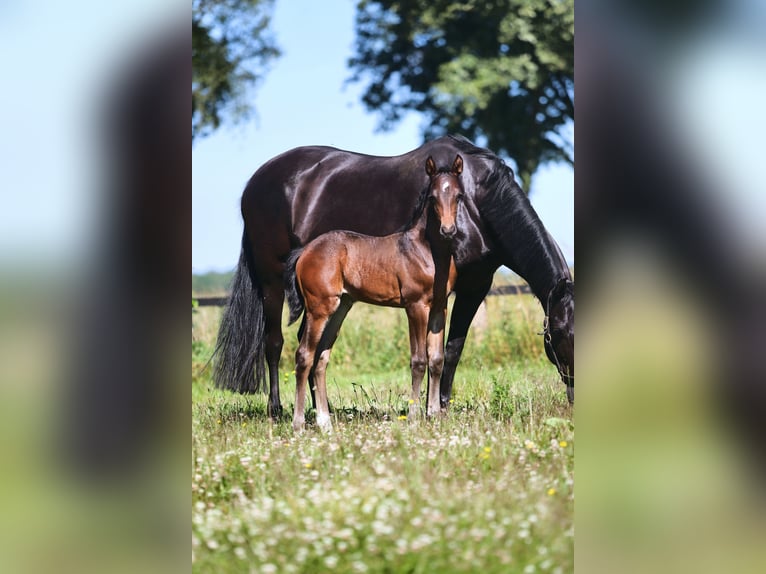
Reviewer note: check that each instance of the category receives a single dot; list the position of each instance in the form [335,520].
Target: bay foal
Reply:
[412,269]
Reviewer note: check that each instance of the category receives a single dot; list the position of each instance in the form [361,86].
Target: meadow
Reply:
[488,487]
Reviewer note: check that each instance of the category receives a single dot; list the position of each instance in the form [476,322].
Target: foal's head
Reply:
[445,192]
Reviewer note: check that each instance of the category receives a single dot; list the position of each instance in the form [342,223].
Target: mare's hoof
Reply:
[275,412]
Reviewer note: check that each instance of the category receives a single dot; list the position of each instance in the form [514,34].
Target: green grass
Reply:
[375,339]
[488,487]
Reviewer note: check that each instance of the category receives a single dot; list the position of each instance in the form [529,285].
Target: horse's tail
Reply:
[294,297]
[239,351]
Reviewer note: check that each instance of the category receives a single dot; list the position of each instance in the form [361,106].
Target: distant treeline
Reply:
[211,283]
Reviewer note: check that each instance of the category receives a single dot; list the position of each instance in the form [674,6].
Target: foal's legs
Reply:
[322,358]
[317,317]
[435,349]
[301,329]
[417,317]
[304,360]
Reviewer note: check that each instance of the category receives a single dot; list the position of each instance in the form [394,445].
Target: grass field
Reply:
[486,488]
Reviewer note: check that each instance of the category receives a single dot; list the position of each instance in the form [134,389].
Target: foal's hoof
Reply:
[434,412]
[414,413]
[324,423]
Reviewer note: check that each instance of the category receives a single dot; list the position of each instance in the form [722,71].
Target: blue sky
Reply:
[302,101]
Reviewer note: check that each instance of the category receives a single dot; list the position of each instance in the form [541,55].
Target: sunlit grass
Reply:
[487,487]
[381,494]
[375,339]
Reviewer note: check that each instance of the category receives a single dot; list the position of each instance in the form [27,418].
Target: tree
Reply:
[231,51]
[500,72]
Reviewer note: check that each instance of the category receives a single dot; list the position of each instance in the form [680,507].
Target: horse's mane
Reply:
[467,147]
[513,223]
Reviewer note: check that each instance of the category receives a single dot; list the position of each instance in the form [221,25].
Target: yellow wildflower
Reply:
[563,443]
[402,417]
[551,491]
[487,449]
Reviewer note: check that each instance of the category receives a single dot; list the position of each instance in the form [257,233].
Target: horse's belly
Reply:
[376,287]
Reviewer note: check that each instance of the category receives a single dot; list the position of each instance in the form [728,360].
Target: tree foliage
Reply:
[231,51]
[500,72]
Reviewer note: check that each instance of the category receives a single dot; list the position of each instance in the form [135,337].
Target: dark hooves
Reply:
[275,412]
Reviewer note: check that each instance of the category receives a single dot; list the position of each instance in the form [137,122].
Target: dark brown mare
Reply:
[307,191]
[411,269]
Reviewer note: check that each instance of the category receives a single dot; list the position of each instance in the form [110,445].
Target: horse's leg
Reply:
[322,358]
[301,328]
[417,317]
[435,350]
[304,361]
[273,300]
[463,311]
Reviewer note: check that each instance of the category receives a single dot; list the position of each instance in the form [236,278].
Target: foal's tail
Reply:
[239,351]
[294,297]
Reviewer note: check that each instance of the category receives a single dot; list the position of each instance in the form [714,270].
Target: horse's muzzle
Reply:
[448,232]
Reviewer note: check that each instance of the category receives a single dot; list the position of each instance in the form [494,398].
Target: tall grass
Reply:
[488,487]
[375,339]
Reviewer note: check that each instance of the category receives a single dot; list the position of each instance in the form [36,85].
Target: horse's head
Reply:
[559,331]
[445,192]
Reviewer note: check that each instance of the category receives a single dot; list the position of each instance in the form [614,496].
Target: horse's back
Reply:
[310,190]
[367,268]
[312,169]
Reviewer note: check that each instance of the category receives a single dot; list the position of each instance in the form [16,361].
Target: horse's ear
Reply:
[457,166]
[430,166]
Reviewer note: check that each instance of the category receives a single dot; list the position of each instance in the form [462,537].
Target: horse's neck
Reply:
[418,231]
[423,239]
[543,267]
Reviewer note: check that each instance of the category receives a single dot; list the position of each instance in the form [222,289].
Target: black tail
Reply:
[294,297]
[239,364]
